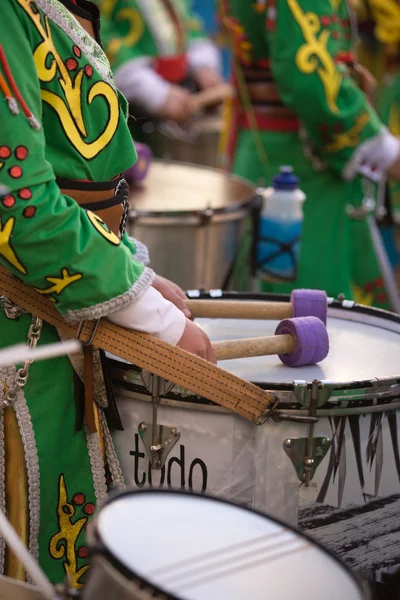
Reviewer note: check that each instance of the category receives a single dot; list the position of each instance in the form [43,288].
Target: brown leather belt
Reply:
[107,203]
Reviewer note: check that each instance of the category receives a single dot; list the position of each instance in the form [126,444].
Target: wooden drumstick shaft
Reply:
[261,346]
[211,96]
[236,309]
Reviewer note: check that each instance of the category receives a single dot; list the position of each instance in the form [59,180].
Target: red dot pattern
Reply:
[8,200]
[83,552]
[71,64]
[25,194]
[89,509]
[77,51]
[78,499]
[29,212]
[21,152]
[88,70]
[15,172]
[5,152]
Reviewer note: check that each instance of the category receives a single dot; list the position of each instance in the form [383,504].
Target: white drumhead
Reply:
[197,548]
[178,187]
[358,350]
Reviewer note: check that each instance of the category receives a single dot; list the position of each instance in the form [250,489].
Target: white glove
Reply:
[373,156]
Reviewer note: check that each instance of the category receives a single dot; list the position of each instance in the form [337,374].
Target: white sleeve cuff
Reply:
[204,54]
[373,156]
[142,251]
[152,314]
[140,84]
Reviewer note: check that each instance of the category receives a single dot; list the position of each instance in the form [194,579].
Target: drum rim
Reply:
[101,548]
[253,198]
[355,394]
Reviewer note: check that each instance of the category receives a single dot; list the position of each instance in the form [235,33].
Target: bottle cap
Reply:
[286,180]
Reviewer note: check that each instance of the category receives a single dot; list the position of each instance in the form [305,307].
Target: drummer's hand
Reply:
[179,105]
[172,292]
[207,78]
[195,341]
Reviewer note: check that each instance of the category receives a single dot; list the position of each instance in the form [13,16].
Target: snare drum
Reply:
[328,456]
[170,545]
[191,219]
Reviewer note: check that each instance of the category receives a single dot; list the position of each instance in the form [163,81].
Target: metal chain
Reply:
[11,310]
[124,218]
[21,375]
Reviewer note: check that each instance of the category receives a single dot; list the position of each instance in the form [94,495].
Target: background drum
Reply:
[328,456]
[192,220]
[179,546]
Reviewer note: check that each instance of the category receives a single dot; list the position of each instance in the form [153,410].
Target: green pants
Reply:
[336,252]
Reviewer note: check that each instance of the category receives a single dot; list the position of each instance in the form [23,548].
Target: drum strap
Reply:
[149,353]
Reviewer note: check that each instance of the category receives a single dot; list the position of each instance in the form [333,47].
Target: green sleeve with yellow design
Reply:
[321,91]
[46,239]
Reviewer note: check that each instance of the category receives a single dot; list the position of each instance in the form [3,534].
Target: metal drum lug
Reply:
[158,443]
[322,389]
[284,416]
[306,460]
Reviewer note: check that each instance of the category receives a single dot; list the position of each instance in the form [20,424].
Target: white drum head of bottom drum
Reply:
[197,548]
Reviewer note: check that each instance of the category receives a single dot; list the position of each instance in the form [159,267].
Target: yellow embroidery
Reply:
[336,4]
[6,250]
[103,229]
[361,296]
[63,543]
[58,284]
[50,65]
[313,56]
[136,28]
[348,139]
[386,14]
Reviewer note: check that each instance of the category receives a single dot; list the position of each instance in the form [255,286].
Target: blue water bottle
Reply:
[280,227]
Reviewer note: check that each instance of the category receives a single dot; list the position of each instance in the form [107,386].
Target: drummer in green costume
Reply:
[64,142]
[154,46]
[300,105]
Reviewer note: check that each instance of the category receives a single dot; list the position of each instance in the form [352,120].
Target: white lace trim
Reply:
[112,458]
[31,460]
[142,252]
[103,309]
[97,467]
[71,26]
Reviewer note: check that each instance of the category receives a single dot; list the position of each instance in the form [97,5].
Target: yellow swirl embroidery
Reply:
[6,250]
[350,138]
[136,28]
[313,56]
[386,14]
[63,543]
[103,229]
[58,284]
[50,65]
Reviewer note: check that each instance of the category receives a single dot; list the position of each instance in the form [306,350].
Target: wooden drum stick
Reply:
[236,309]
[260,346]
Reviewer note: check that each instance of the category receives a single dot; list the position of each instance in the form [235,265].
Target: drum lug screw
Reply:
[288,443]
[175,432]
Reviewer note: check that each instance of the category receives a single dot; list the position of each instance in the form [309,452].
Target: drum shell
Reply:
[194,251]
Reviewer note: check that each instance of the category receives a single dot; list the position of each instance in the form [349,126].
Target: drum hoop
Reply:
[238,206]
[361,397]
[101,548]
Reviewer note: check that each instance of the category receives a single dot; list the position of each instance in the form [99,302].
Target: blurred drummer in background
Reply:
[303,101]
[157,48]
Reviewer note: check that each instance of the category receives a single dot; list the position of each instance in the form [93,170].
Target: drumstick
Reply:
[22,352]
[300,341]
[303,303]
[211,96]
[250,347]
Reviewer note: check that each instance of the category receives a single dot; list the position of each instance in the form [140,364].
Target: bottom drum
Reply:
[176,546]
[326,460]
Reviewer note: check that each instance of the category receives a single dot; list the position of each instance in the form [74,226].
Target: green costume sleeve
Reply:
[334,112]
[46,239]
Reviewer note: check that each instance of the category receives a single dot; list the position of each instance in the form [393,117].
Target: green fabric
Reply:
[57,249]
[52,244]
[129,33]
[62,451]
[336,252]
